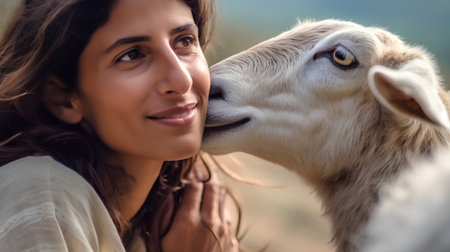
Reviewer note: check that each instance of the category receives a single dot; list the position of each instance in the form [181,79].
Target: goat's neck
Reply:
[350,194]
[348,199]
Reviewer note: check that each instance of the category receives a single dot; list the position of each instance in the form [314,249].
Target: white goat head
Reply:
[341,104]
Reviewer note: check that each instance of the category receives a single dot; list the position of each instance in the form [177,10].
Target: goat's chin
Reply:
[216,146]
[224,139]
[219,142]
[221,129]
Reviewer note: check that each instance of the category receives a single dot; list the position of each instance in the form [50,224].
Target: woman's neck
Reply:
[144,174]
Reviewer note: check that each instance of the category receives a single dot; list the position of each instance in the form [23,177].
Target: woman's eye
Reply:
[185,42]
[131,55]
[342,57]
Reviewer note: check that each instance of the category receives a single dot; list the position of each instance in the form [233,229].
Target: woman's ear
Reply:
[60,102]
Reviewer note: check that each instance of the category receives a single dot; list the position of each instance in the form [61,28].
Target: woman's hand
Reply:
[201,223]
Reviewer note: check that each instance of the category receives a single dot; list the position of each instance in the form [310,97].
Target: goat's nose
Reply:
[216,91]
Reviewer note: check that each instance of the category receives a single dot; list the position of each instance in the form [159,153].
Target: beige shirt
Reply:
[45,206]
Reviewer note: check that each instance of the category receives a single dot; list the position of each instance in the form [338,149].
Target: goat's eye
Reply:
[342,57]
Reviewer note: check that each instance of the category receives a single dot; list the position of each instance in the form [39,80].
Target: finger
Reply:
[200,171]
[192,198]
[222,210]
[210,207]
[193,190]
[229,242]
[166,213]
[233,245]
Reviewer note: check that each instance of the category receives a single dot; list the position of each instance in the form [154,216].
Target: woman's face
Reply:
[144,81]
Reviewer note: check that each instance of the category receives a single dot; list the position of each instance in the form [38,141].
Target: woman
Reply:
[116,91]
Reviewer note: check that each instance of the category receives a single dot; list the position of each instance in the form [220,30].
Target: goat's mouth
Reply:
[212,126]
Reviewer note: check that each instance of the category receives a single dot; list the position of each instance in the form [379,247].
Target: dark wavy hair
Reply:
[46,38]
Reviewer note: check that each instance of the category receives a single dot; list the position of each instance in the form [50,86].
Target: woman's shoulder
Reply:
[35,174]
[41,195]
[36,167]
[40,179]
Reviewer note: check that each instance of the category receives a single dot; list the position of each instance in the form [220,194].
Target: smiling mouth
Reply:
[175,112]
[176,116]
[182,115]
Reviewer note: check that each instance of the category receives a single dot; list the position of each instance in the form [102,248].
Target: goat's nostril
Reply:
[216,93]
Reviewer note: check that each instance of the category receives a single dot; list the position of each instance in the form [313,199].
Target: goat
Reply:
[343,105]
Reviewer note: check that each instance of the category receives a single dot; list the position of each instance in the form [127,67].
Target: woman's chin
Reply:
[184,151]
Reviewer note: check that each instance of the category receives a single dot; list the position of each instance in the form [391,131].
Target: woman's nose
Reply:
[176,78]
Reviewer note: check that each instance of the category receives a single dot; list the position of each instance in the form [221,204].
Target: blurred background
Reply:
[243,23]
[283,212]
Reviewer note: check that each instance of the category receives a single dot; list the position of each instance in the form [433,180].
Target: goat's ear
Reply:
[411,90]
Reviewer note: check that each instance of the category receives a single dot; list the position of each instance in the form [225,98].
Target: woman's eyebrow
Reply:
[127,40]
[183,28]
[134,39]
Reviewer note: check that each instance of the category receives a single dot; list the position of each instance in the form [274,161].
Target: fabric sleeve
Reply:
[45,206]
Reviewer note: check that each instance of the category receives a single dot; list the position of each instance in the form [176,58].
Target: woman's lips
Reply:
[176,116]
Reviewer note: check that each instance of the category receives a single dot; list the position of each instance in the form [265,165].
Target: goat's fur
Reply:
[345,130]
[413,213]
